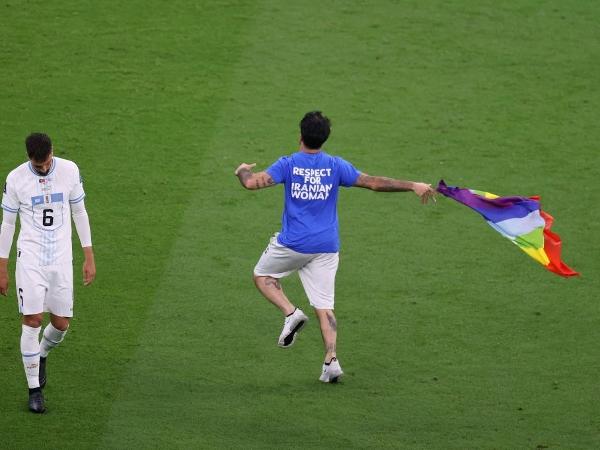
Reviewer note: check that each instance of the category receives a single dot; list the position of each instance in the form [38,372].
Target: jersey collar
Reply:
[40,175]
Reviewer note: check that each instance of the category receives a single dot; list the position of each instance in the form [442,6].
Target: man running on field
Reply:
[46,192]
[309,239]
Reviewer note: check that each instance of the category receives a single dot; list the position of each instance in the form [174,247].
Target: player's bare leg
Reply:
[60,323]
[331,366]
[33,320]
[30,350]
[328,326]
[295,319]
[271,289]
[53,335]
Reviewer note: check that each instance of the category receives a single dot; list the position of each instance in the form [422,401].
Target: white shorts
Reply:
[316,270]
[45,289]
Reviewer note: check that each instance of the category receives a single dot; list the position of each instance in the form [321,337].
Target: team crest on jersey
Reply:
[45,184]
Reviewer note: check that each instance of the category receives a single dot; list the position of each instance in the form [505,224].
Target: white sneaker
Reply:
[292,325]
[332,372]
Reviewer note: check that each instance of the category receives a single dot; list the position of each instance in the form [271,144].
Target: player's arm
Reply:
[251,180]
[7,233]
[384,184]
[82,225]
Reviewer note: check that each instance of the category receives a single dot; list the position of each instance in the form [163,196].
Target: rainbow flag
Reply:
[519,219]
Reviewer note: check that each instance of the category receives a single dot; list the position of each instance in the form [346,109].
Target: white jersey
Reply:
[44,206]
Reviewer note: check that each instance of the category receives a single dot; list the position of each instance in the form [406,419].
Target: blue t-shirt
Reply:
[310,221]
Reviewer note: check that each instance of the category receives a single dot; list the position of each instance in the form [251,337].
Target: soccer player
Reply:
[309,240]
[45,191]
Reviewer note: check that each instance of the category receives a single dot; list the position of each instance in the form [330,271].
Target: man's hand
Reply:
[89,266]
[244,166]
[424,191]
[252,181]
[384,184]
[3,281]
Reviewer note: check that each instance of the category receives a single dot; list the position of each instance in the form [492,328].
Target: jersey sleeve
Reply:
[77,194]
[279,170]
[10,201]
[7,233]
[348,173]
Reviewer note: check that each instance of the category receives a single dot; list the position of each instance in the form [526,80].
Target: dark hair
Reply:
[38,146]
[314,129]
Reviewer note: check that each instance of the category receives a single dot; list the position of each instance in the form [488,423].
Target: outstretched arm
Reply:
[384,184]
[251,180]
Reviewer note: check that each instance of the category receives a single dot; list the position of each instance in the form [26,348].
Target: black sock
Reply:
[37,389]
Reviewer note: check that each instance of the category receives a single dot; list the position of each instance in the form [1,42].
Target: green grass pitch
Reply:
[450,337]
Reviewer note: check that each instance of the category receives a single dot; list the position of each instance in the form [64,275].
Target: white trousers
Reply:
[316,270]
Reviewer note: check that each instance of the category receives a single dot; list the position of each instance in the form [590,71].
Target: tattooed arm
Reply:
[251,180]
[384,184]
